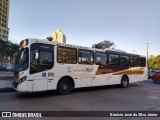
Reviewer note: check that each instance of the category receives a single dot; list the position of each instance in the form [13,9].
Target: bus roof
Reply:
[82,47]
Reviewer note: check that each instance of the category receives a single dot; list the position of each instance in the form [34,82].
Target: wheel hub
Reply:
[124,82]
[65,86]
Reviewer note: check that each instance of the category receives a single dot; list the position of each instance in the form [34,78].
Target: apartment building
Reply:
[4,17]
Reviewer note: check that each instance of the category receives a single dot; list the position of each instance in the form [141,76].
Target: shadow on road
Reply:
[102,88]
[51,93]
[6,90]
[36,95]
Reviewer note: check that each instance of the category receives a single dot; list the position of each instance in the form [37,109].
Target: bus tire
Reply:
[124,82]
[64,86]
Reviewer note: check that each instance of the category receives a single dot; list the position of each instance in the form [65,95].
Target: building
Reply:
[58,36]
[4,17]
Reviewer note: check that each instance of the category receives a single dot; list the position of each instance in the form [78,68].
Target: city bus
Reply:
[42,65]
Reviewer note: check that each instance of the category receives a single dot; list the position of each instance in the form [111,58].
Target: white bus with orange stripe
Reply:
[43,65]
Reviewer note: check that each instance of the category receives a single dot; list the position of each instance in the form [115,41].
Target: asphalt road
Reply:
[140,96]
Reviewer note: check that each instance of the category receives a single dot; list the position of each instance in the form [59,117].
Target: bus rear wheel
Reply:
[64,86]
[124,81]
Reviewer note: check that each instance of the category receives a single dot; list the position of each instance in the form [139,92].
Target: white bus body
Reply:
[43,65]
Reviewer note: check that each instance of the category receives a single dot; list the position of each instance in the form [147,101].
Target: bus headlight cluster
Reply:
[23,79]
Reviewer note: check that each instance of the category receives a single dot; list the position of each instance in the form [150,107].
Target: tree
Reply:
[104,44]
[7,49]
[154,63]
[2,50]
[49,38]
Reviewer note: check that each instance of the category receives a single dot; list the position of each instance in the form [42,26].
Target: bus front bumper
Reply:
[22,87]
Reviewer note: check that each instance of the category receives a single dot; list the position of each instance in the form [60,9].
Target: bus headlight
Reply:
[23,79]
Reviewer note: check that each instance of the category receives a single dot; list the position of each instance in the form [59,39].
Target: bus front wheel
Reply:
[64,86]
[124,82]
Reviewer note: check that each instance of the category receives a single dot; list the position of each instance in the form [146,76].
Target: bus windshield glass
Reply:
[22,60]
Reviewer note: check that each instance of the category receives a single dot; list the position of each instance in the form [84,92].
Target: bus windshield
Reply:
[22,60]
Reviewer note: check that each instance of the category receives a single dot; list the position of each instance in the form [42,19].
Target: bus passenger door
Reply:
[41,61]
[39,81]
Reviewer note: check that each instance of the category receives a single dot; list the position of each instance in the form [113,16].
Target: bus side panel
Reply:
[137,74]
[40,85]
[30,86]
[77,80]
[86,81]
[62,70]
[52,83]
[144,75]
[133,78]
[22,87]
[100,80]
[116,72]
[114,79]
[100,75]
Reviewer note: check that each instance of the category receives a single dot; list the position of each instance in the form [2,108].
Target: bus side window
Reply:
[100,58]
[142,62]
[85,57]
[114,59]
[134,61]
[46,58]
[66,55]
[42,63]
[124,60]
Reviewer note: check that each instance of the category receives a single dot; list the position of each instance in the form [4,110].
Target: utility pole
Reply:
[147,56]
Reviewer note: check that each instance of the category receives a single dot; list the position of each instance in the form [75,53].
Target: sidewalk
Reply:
[6,75]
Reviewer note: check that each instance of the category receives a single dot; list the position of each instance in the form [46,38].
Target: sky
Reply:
[130,24]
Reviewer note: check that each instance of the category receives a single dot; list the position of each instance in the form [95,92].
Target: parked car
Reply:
[150,74]
[2,68]
[156,76]
[9,67]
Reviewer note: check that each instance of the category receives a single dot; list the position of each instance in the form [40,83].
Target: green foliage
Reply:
[154,63]
[7,49]
[103,45]
[50,38]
